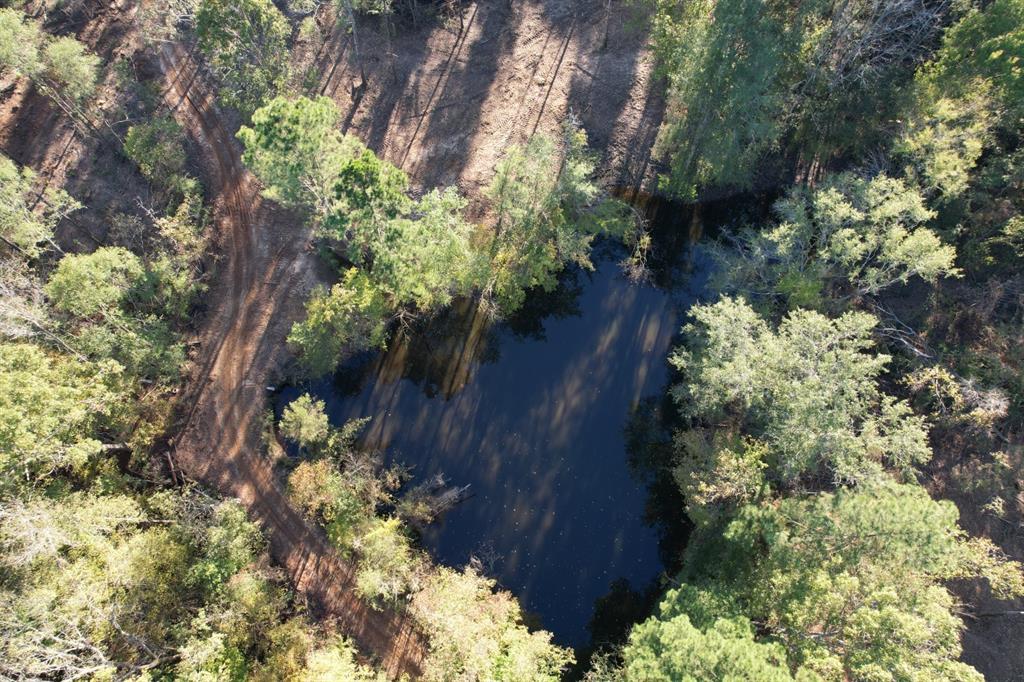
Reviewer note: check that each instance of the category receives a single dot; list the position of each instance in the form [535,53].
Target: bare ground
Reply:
[444,100]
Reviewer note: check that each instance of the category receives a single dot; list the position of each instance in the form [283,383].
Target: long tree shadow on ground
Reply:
[445,98]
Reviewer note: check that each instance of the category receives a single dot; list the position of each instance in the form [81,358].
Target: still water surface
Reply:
[530,414]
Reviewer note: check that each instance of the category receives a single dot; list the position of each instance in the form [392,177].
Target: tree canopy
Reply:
[21,225]
[52,410]
[549,210]
[671,649]
[800,475]
[61,66]
[351,316]
[808,392]
[746,79]
[851,235]
[414,252]
[246,42]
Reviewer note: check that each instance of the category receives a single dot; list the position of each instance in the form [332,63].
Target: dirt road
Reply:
[265,275]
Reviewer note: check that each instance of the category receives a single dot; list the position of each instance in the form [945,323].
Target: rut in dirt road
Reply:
[264,275]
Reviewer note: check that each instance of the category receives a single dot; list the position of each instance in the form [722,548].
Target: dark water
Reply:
[531,415]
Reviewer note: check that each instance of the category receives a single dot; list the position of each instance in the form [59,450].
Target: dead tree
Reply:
[428,501]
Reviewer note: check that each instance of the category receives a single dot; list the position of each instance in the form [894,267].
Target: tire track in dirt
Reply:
[444,99]
[446,70]
[262,281]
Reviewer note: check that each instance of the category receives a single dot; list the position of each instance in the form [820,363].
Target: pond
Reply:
[530,414]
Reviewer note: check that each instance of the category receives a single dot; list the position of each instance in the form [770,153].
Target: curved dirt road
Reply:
[262,280]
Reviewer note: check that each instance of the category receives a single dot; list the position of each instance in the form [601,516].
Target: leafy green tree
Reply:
[352,316]
[171,281]
[477,633]
[326,496]
[415,252]
[549,210]
[247,44]
[724,61]
[20,226]
[961,137]
[985,44]
[425,257]
[799,473]
[968,97]
[296,653]
[671,649]
[368,194]
[114,306]
[174,275]
[851,582]
[183,232]
[71,67]
[61,68]
[867,235]
[342,489]
[210,658]
[748,79]
[419,252]
[101,583]
[87,285]
[230,543]
[872,232]
[337,661]
[304,421]
[146,345]
[944,138]
[388,566]
[52,410]
[339,487]
[19,42]
[294,147]
[316,487]
[808,391]
[156,147]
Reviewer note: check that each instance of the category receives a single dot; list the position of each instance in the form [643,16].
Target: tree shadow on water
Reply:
[562,302]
